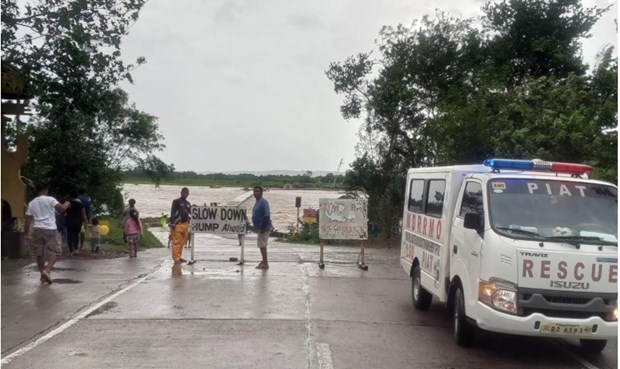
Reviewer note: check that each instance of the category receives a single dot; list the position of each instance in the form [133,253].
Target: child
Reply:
[95,235]
[133,229]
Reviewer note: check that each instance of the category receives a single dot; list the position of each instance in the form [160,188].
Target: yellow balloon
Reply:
[104,230]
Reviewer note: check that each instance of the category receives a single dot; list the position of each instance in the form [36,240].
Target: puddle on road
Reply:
[178,271]
[66,281]
[78,354]
[68,269]
[57,269]
[103,308]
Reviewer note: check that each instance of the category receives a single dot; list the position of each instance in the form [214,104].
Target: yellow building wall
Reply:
[13,189]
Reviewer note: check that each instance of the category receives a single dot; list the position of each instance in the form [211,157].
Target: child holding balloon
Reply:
[95,235]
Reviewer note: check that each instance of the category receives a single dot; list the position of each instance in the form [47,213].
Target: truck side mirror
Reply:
[473,221]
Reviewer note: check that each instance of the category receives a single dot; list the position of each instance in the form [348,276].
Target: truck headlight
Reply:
[499,294]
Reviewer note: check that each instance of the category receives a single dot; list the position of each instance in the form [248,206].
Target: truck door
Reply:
[466,245]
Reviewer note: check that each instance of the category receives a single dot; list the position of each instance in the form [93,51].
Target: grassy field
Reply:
[113,242]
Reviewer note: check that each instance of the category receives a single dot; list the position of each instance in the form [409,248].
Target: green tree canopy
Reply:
[83,131]
[444,92]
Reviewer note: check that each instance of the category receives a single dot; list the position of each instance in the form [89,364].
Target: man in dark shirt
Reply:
[179,219]
[75,218]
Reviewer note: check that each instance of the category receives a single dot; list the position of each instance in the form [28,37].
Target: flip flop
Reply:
[46,277]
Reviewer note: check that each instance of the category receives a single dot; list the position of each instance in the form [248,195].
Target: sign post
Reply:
[321,262]
[241,261]
[191,242]
[343,219]
[236,202]
[297,205]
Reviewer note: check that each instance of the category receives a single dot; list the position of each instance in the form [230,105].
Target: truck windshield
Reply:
[537,209]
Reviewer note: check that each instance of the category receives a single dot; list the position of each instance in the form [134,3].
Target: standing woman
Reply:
[133,230]
[75,218]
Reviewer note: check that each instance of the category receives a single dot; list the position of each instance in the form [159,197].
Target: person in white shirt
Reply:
[41,216]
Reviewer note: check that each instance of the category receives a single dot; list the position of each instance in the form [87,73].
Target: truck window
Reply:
[416,195]
[472,199]
[434,200]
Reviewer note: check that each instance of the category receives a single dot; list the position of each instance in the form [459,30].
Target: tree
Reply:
[443,92]
[536,38]
[68,49]
[84,131]
[423,67]
[78,150]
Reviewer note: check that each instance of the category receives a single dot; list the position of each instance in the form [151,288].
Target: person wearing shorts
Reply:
[262,224]
[41,230]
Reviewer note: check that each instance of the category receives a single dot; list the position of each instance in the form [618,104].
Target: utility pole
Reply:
[337,172]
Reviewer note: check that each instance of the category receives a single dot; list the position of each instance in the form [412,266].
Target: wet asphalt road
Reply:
[145,313]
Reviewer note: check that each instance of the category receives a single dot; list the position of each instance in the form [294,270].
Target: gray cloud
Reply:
[304,21]
[240,84]
[227,12]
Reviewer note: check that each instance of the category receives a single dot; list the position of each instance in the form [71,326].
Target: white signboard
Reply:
[218,219]
[343,219]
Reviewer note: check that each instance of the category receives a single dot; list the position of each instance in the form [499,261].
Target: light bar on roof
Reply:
[539,165]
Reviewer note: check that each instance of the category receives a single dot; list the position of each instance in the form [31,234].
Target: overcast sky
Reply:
[241,85]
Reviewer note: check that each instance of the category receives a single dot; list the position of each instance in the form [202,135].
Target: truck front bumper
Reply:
[539,325]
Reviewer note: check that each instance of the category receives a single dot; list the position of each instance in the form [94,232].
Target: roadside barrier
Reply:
[343,219]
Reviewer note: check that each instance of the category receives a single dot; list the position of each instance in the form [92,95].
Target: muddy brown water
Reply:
[152,201]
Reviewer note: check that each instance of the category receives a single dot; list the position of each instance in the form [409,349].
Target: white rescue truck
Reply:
[515,246]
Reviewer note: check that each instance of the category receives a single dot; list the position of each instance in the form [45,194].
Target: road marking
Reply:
[310,347]
[579,359]
[325,356]
[74,320]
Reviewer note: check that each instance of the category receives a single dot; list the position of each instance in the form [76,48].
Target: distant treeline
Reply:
[190,178]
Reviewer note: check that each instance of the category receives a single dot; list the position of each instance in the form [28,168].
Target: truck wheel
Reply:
[594,346]
[463,331]
[421,298]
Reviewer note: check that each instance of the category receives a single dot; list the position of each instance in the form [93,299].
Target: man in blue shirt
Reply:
[262,224]
[85,199]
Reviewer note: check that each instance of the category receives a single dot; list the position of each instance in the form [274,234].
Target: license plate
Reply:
[566,329]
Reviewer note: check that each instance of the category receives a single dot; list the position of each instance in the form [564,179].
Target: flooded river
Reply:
[152,201]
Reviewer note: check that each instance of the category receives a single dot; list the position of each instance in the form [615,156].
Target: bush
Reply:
[308,233]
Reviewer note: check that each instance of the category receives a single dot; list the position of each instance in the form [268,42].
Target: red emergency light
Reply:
[540,165]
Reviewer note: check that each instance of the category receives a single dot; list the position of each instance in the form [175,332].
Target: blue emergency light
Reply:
[538,165]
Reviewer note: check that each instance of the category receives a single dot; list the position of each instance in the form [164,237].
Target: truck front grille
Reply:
[566,304]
